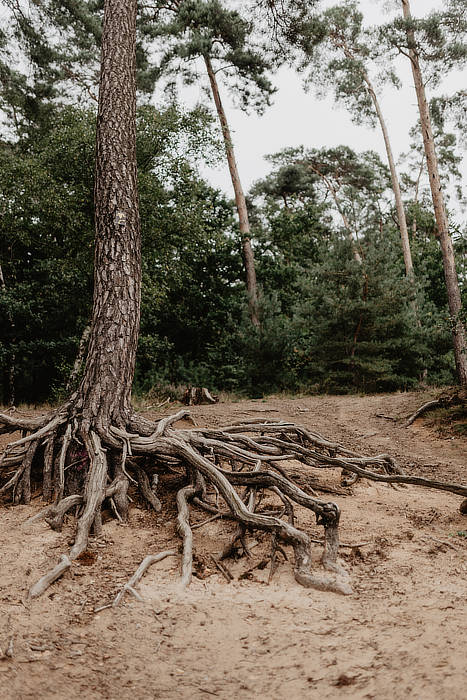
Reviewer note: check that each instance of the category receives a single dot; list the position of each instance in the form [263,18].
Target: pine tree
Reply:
[355,183]
[338,54]
[77,450]
[221,38]
[415,39]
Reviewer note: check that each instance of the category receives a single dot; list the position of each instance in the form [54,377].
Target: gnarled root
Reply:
[81,466]
[184,530]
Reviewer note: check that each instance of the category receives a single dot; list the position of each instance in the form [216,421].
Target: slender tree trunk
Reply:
[401,218]
[449,264]
[416,194]
[244,224]
[105,391]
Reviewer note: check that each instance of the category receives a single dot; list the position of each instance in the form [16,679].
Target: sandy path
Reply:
[401,635]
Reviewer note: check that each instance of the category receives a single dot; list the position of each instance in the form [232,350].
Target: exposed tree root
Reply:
[81,468]
[453,397]
[183,526]
[45,581]
[423,409]
[240,531]
[138,575]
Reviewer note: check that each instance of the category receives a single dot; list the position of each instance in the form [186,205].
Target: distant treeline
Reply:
[337,311]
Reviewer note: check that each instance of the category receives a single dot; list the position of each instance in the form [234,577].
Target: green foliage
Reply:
[47,230]
[354,185]
[414,177]
[337,53]
[48,54]
[439,39]
[349,327]
[193,29]
[328,322]
[355,327]
[46,244]
[191,282]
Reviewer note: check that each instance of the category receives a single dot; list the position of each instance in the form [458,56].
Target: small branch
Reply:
[205,522]
[442,542]
[423,409]
[223,569]
[348,545]
[139,573]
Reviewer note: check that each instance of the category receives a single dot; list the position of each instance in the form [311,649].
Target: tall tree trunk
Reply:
[449,264]
[401,218]
[105,391]
[244,224]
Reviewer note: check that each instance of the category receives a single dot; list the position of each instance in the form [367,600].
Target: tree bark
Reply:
[82,348]
[416,194]
[244,224]
[449,264]
[105,391]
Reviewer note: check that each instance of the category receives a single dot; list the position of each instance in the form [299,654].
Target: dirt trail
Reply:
[401,635]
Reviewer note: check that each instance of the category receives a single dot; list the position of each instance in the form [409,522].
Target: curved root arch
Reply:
[81,469]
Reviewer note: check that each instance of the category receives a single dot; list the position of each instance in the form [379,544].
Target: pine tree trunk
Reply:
[401,218]
[449,265]
[416,193]
[105,392]
[244,224]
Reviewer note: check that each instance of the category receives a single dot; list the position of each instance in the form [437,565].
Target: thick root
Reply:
[82,467]
[184,530]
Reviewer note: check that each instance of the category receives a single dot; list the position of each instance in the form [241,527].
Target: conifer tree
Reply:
[337,54]
[352,182]
[221,38]
[439,41]
[79,452]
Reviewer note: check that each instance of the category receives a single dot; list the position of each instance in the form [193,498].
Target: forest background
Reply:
[338,311]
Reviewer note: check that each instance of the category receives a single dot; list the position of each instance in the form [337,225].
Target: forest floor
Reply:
[402,634]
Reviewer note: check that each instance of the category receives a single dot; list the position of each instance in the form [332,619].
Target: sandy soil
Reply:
[402,634]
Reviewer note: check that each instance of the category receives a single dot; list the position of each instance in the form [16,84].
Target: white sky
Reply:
[299,118]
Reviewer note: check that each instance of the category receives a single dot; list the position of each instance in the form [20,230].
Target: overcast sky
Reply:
[299,118]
